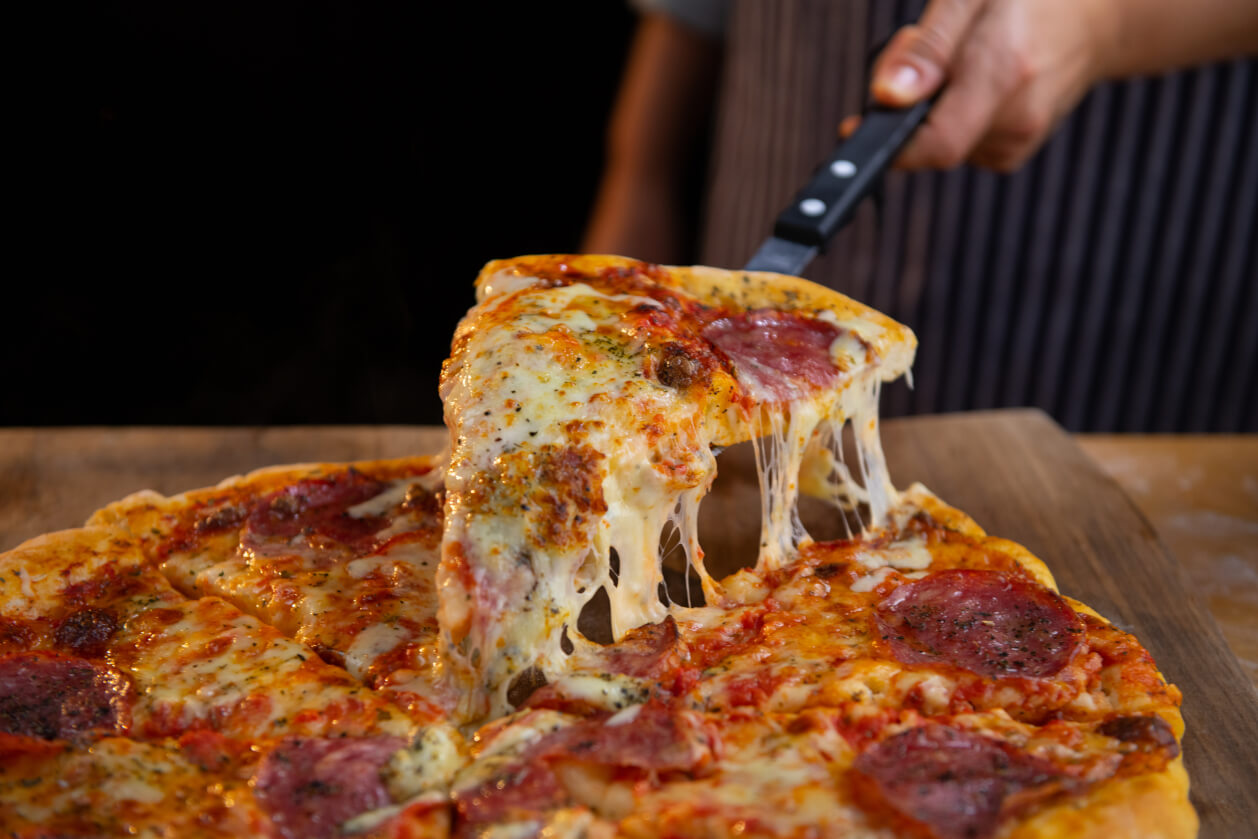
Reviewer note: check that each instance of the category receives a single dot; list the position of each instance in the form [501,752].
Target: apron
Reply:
[1112,282]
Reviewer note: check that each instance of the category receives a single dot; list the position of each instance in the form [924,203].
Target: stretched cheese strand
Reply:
[825,474]
[803,451]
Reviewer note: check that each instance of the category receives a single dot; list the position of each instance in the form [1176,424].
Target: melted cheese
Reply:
[549,381]
[200,661]
[120,787]
[376,613]
[565,453]
[872,580]
[910,554]
[428,765]
[372,643]
[610,691]
[66,559]
[781,783]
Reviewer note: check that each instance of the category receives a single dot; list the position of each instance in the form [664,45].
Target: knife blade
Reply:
[838,185]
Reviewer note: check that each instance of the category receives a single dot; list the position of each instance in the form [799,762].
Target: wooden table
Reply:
[1015,472]
[1200,492]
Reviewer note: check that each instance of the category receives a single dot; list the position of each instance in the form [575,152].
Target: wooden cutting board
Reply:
[1015,472]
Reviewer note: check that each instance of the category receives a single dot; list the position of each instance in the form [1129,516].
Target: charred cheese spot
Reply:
[221,518]
[87,631]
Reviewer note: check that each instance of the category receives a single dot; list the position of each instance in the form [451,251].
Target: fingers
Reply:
[918,58]
[986,71]
[1008,68]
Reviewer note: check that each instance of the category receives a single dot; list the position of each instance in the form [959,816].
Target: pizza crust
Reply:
[1152,806]
[894,343]
[142,511]
[918,497]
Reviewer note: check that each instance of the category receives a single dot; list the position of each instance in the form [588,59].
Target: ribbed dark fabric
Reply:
[1113,281]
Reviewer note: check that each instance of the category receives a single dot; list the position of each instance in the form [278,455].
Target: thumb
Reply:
[916,61]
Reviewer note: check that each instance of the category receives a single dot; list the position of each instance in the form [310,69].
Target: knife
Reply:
[850,173]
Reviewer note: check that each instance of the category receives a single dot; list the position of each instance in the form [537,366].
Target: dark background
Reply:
[256,213]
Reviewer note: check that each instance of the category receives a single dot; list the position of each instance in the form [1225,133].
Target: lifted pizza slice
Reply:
[586,396]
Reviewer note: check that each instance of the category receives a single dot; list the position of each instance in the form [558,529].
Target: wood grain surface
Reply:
[1200,491]
[1016,472]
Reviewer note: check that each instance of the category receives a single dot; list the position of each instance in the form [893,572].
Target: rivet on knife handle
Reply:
[847,176]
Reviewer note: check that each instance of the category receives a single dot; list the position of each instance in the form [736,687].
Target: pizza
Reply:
[523,636]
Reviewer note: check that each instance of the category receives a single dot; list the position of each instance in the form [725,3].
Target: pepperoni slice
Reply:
[785,355]
[648,652]
[315,513]
[987,622]
[311,786]
[649,737]
[652,737]
[55,697]
[956,783]
[521,790]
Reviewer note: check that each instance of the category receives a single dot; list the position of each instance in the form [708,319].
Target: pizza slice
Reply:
[340,557]
[585,397]
[91,627]
[120,697]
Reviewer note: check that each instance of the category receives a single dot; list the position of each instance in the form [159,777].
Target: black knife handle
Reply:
[848,174]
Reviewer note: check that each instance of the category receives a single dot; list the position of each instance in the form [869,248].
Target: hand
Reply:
[1011,69]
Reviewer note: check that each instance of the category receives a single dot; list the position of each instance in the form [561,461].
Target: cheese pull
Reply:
[585,396]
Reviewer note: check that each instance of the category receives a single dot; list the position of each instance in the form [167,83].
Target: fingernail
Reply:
[904,80]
